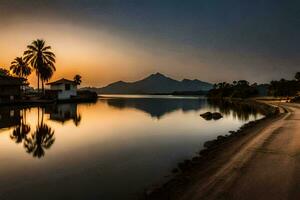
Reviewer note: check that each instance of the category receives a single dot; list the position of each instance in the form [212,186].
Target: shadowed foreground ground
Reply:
[263,165]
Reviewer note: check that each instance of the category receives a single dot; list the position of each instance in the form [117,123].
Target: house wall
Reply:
[9,93]
[8,90]
[65,94]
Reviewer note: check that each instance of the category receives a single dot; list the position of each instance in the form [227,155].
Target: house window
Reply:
[67,87]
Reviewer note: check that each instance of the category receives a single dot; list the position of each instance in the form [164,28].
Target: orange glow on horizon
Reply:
[98,55]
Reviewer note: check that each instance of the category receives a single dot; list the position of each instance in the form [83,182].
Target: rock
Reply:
[216,116]
[209,143]
[204,152]
[183,166]
[207,115]
[232,132]
[210,116]
[221,137]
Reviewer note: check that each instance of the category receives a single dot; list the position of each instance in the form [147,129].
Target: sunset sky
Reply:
[111,40]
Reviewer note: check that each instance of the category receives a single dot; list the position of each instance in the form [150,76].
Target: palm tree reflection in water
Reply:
[35,143]
[77,119]
[21,131]
[41,139]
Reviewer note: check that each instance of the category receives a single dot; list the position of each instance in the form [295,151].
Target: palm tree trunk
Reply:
[43,90]
[38,75]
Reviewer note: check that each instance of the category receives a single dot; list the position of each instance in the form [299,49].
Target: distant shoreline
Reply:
[186,93]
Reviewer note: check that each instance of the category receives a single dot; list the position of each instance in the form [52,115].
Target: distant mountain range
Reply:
[153,84]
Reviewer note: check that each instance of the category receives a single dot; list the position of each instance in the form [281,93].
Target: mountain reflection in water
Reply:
[158,107]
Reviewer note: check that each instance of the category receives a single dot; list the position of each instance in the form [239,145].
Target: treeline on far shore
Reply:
[243,89]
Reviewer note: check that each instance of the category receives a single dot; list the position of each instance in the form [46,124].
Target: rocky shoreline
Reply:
[183,173]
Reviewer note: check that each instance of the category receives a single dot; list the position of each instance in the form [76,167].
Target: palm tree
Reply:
[20,68]
[39,56]
[45,73]
[77,79]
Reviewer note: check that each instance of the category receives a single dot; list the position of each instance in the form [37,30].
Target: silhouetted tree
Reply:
[238,89]
[77,79]
[39,56]
[20,68]
[4,72]
[284,88]
[45,73]
[297,76]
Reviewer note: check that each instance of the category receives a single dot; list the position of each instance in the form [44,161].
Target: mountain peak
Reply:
[185,80]
[157,74]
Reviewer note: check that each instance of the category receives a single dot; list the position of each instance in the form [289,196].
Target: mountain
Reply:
[155,83]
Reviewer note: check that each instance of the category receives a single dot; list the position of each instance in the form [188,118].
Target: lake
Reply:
[111,149]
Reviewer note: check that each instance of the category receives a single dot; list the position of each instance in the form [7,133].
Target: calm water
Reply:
[111,149]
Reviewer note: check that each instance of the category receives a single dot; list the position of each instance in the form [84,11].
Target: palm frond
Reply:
[46,48]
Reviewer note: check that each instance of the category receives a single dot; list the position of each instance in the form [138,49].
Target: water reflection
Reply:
[37,141]
[42,138]
[20,132]
[9,117]
[34,143]
[157,107]
[114,143]
[63,113]
[240,111]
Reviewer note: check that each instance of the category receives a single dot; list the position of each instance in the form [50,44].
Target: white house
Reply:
[65,89]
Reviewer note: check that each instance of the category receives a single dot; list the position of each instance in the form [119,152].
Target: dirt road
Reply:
[266,167]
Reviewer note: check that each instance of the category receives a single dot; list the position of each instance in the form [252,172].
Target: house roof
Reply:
[61,81]
[10,80]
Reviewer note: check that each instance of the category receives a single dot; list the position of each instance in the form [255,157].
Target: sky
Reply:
[110,40]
